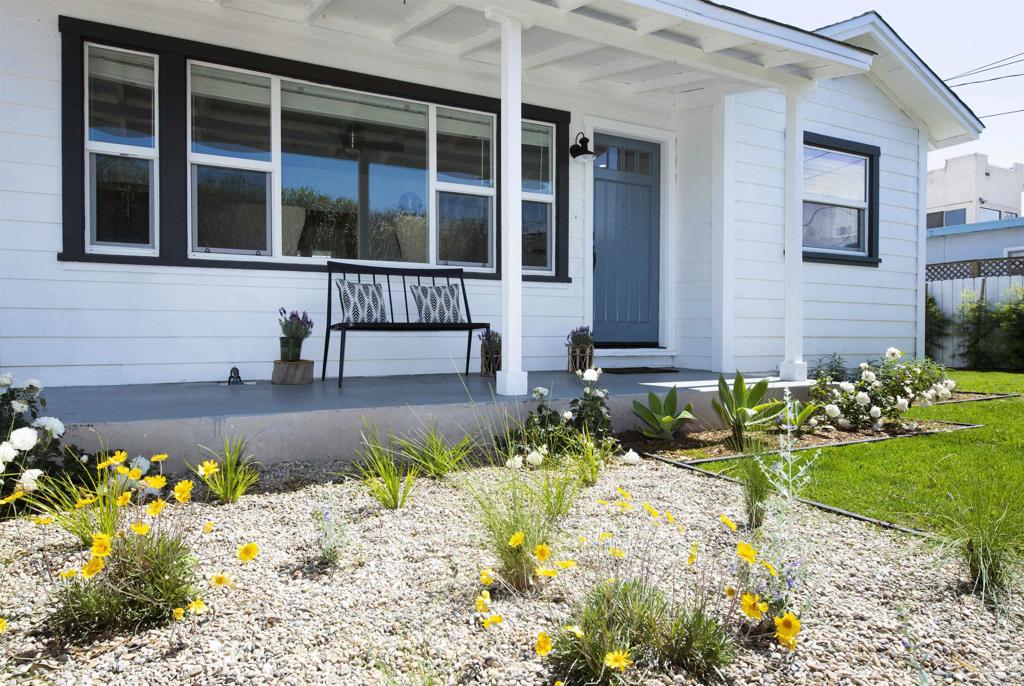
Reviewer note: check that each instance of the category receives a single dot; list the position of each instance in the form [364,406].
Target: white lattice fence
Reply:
[949,294]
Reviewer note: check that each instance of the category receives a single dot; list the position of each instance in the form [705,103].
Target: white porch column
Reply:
[511,379]
[793,368]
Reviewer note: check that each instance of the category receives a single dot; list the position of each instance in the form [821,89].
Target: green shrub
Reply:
[661,417]
[433,455]
[145,578]
[757,489]
[697,643]
[590,410]
[515,521]
[741,408]
[1009,316]
[230,473]
[936,326]
[586,457]
[832,367]
[979,333]
[385,480]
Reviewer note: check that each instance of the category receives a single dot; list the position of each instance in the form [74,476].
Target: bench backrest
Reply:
[406,276]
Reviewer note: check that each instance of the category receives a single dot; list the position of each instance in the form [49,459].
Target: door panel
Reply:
[626,241]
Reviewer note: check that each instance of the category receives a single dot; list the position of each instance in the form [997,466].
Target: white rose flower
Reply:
[543,450]
[6,380]
[864,365]
[846,387]
[7,453]
[876,384]
[591,375]
[843,423]
[51,424]
[944,394]
[630,458]
[540,393]
[535,458]
[875,412]
[598,393]
[877,426]
[867,375]
[18,407]
[862,398]
[24,438]
[812,422]
[929,395]
[32,383]
[949,384]
[893,354]
[902,404]
[832,410]
[28,479]
[567,415]
[515,462]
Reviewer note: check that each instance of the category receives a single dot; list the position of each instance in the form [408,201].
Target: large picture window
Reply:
[840,199]
[270,163]
[121,151]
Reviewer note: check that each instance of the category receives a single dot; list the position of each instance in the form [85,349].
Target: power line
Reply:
[994,78]
[978,71]
[999,114]
[984,66]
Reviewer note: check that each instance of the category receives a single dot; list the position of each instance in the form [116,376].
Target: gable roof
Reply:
[909,81]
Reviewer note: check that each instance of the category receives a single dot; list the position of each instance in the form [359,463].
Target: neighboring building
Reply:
[969,190]
[981,241]
[173,172]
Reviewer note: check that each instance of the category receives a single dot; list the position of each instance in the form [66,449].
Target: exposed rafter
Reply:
[723,42]
[618,68]
[653,23]
[475,43]
[668,82]
[318,9]
[421,17]
[558,53]
[572,5]
[781,58]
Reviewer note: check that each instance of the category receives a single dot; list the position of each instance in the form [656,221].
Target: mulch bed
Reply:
[974,396]
[709,445]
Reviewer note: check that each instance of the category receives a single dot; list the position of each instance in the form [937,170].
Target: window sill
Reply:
[833,258]
[210,263]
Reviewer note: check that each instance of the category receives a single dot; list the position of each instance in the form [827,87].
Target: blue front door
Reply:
[627,213]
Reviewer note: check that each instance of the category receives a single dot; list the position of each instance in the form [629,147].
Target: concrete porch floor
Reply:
[319,421]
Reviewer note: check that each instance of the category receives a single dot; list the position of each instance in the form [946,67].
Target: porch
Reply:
[319,422]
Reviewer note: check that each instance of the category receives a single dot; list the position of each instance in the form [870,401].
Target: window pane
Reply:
[828,227]
[837,174]
[537,235]
[464,229]
[229,209]
[120,97]
[354,175]
[230,113]
[934,220]
[464,147]
[1009,215]
[956,217]
[121,199]
[987,214]
[537,157]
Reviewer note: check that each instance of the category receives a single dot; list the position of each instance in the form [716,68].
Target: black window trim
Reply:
[872,152]
[173,54]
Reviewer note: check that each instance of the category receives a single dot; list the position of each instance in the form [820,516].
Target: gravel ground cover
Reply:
[399,607]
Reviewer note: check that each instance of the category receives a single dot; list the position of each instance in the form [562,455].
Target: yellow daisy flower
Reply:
[93,567]
[618,660]
[135,474]
[746,552]
[118,457]
[728,522]
[651,511]
[159,457]
[68,574]
[18,494]
[183,491]
[623,505]
[248,552]
[669,518]
[605,535]
[124,498]
[178,613]
[3,625]
[42,521]
[220,580]
[492,620]
[156,507]
[100,545]
[786,629]
[617,553]
[575,630]
[542,552]
[207,527]
[197,606]
[624,493]
[483,601]
[82,502]
[208,468]
[157,481]
[141,528]
[516,539]
[121,469]
[693,554]
[565,564]
[753,606]
[770,567]
[730,592]
[542,646]
[546,572]
[487,576]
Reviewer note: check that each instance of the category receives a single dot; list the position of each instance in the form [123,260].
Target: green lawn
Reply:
[908,480]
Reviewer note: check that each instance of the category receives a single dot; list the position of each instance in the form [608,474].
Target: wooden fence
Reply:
[966,269]
[949,294]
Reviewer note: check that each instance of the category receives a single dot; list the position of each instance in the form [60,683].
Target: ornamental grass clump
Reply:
[555,490]
[433,454]
[230,473]
[586,457]
[384,479]
[757,489]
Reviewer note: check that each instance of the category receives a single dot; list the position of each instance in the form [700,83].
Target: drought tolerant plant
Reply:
[433,455]
[385,480]
[586,456]
[589,411]
[741,408]
[978,331]
[831,366]
[661,417]
[982,525]
[698,643]
[295,325]
[230,473]
[545,426]
[936,326]
[555,490]
[1009,316]
[757,489]
[331,539]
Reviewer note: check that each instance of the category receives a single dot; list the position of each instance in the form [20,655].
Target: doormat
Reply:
[641,370]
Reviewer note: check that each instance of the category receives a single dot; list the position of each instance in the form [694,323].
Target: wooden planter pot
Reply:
[490,362]
[581,358]
[292,373]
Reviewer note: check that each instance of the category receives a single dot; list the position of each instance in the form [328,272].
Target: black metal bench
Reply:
[407,276]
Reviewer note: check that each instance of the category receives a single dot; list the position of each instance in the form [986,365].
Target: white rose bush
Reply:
[881,392]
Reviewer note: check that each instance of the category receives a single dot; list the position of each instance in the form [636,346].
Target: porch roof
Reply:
[636,48]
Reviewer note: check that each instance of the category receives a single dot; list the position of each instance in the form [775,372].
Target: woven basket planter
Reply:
[581,358]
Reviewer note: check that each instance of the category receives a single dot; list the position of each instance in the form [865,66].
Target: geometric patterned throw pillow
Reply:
[438,304]
[362,303]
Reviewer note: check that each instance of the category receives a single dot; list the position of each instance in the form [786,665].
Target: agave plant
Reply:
[741,408]
[661,421]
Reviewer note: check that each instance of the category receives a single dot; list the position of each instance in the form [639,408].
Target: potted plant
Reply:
[580,343]
[490,352]
[291,368]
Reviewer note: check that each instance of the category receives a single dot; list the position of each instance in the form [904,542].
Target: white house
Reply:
[969,190]
[173,172]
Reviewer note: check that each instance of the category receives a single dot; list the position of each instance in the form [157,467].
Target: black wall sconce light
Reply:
[580,150]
